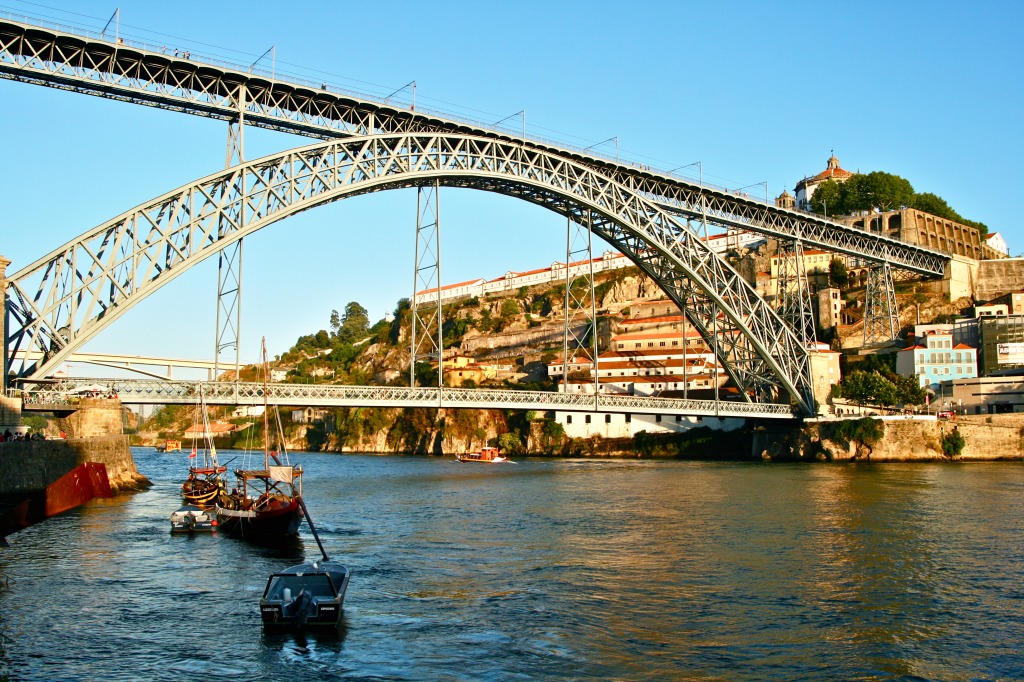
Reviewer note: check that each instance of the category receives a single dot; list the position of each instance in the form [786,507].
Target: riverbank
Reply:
[977,438]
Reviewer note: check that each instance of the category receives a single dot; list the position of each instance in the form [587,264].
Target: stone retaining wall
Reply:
[905,440]
[29,466]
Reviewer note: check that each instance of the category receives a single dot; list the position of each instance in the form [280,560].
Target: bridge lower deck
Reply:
[64,395]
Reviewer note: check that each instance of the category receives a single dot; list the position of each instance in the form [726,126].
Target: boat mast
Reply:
[266,417]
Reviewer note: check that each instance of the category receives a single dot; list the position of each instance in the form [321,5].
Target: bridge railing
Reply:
[142,391]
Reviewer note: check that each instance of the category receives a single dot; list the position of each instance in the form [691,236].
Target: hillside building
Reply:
[1001,344]
[995,241]
[917,227]
[936,358]
[805,188]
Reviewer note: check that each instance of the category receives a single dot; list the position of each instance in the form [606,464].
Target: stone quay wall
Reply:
[29,466]
[987,439]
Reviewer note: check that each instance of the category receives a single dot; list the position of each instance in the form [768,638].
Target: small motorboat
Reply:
[308,595]
[488,455]
[192,519]
[305,596]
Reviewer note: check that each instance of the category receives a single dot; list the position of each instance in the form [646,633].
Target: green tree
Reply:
[510,443]
[884,191]
[866,431]
[936,205]
[838,275]
[868,388]
[953,443]
[828,198]
[354,324]
[509,309]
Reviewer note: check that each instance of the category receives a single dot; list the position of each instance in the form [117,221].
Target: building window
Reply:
[568,419]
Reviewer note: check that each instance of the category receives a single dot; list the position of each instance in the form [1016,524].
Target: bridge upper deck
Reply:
[76,61]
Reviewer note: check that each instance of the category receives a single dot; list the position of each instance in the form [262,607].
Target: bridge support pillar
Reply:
[3,321]
[229,262]
[426,331]
[793,291]
[881,314]
[580,300]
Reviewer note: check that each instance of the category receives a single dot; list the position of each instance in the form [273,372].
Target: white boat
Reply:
[192,519]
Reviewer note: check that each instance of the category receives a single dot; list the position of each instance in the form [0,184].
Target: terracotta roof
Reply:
[832,172]
[963,346]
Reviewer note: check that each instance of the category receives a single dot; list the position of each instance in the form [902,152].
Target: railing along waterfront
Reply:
[50,395]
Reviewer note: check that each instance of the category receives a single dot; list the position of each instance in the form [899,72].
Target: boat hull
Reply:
[310,596]
[477,460]
[192,519]
[280,522]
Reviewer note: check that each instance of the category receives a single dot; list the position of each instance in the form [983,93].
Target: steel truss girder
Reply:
[793,291]
[579,297]
[49,396]
[68,296]
[93,66]
[881,313]
[428,313]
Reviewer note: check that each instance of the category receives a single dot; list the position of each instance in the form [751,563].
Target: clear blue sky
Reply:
[755,91]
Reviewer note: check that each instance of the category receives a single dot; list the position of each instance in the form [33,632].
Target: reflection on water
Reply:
[544,570]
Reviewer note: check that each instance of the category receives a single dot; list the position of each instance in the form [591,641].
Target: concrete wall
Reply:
[31,465]
[94,417]
[998,277]
[10,412]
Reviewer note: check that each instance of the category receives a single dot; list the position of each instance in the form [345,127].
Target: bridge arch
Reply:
[68,296]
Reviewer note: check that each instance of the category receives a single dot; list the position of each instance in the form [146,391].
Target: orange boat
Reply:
[487,455]
[169,446]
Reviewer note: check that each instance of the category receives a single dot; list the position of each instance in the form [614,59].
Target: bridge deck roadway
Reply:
[49,396]
[76,61]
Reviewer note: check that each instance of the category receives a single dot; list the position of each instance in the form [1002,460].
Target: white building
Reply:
[996,241]
[805,188]
[612,425]
[935,358]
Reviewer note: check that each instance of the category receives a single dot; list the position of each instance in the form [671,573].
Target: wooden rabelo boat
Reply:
[205,482]
[264,506]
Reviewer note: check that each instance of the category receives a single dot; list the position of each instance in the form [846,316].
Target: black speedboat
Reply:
[305,596]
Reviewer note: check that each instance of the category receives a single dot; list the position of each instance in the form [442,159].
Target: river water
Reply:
[546,569]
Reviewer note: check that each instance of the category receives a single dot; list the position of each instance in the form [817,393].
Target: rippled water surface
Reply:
[546,569]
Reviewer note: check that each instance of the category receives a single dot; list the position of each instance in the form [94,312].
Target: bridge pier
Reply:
[3,320]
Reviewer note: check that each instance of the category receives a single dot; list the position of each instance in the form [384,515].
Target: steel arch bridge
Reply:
[78,61]
[70,295]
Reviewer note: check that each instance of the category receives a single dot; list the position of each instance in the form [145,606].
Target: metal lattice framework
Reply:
[49,396]
[229,263]
[580,302]
[58,57]
[426,340]
[65,298]
[793,292]
[881,314]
